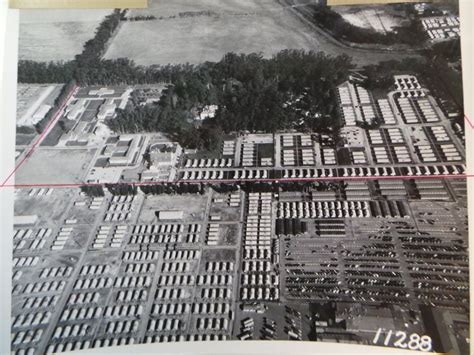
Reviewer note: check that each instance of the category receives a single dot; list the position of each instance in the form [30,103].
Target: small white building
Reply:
[106,110]
[170,215]
[164,155]
[75,109]
[26,220]
[101,91]
[41,112]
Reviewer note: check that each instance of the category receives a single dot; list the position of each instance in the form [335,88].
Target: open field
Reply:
[55,166]
[54,35]
[186,32]
[379,18]
[254,26]
[49,209]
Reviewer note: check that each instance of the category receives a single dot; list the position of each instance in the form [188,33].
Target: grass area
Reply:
[53,137]
[53,35]
[55,166]
[216,28]
[228,26]
[344,156]
[24,139]
[265,150]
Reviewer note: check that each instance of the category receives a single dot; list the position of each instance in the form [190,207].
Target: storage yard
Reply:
[240,199]
[83,279]
[331,234]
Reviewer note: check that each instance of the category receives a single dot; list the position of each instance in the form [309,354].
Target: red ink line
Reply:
[227,181]
[469,121]
[52,121]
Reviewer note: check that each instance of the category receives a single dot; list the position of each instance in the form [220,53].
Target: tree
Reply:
[93,190]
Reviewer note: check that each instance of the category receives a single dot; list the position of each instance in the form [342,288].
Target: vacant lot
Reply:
[50,209]
[194,207]
[379,18]
[54,35]
[225,212]
[55,166]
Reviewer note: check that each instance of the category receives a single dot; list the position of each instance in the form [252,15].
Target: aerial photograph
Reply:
[212,170]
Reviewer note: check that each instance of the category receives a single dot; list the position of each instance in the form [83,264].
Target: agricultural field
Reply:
[56,35]
[380,18]
[55,166]
[184,31]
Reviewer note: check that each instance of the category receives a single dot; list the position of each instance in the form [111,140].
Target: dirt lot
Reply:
[223,210]
[47,35]
[55,166]
[82,214]
[379,18]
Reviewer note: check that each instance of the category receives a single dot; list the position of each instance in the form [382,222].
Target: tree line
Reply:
[85,65]
[123,189]
[121,71]
[140,18]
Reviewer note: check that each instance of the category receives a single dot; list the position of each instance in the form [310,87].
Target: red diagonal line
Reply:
[149,183]
[469,121]
[39,139]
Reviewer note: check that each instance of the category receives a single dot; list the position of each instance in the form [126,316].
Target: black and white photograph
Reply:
[240,170]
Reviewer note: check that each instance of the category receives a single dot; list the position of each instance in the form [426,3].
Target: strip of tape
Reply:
[365,2]
[78,4]
[140,4]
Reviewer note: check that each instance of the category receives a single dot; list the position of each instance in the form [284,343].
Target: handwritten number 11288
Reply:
[402,340]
